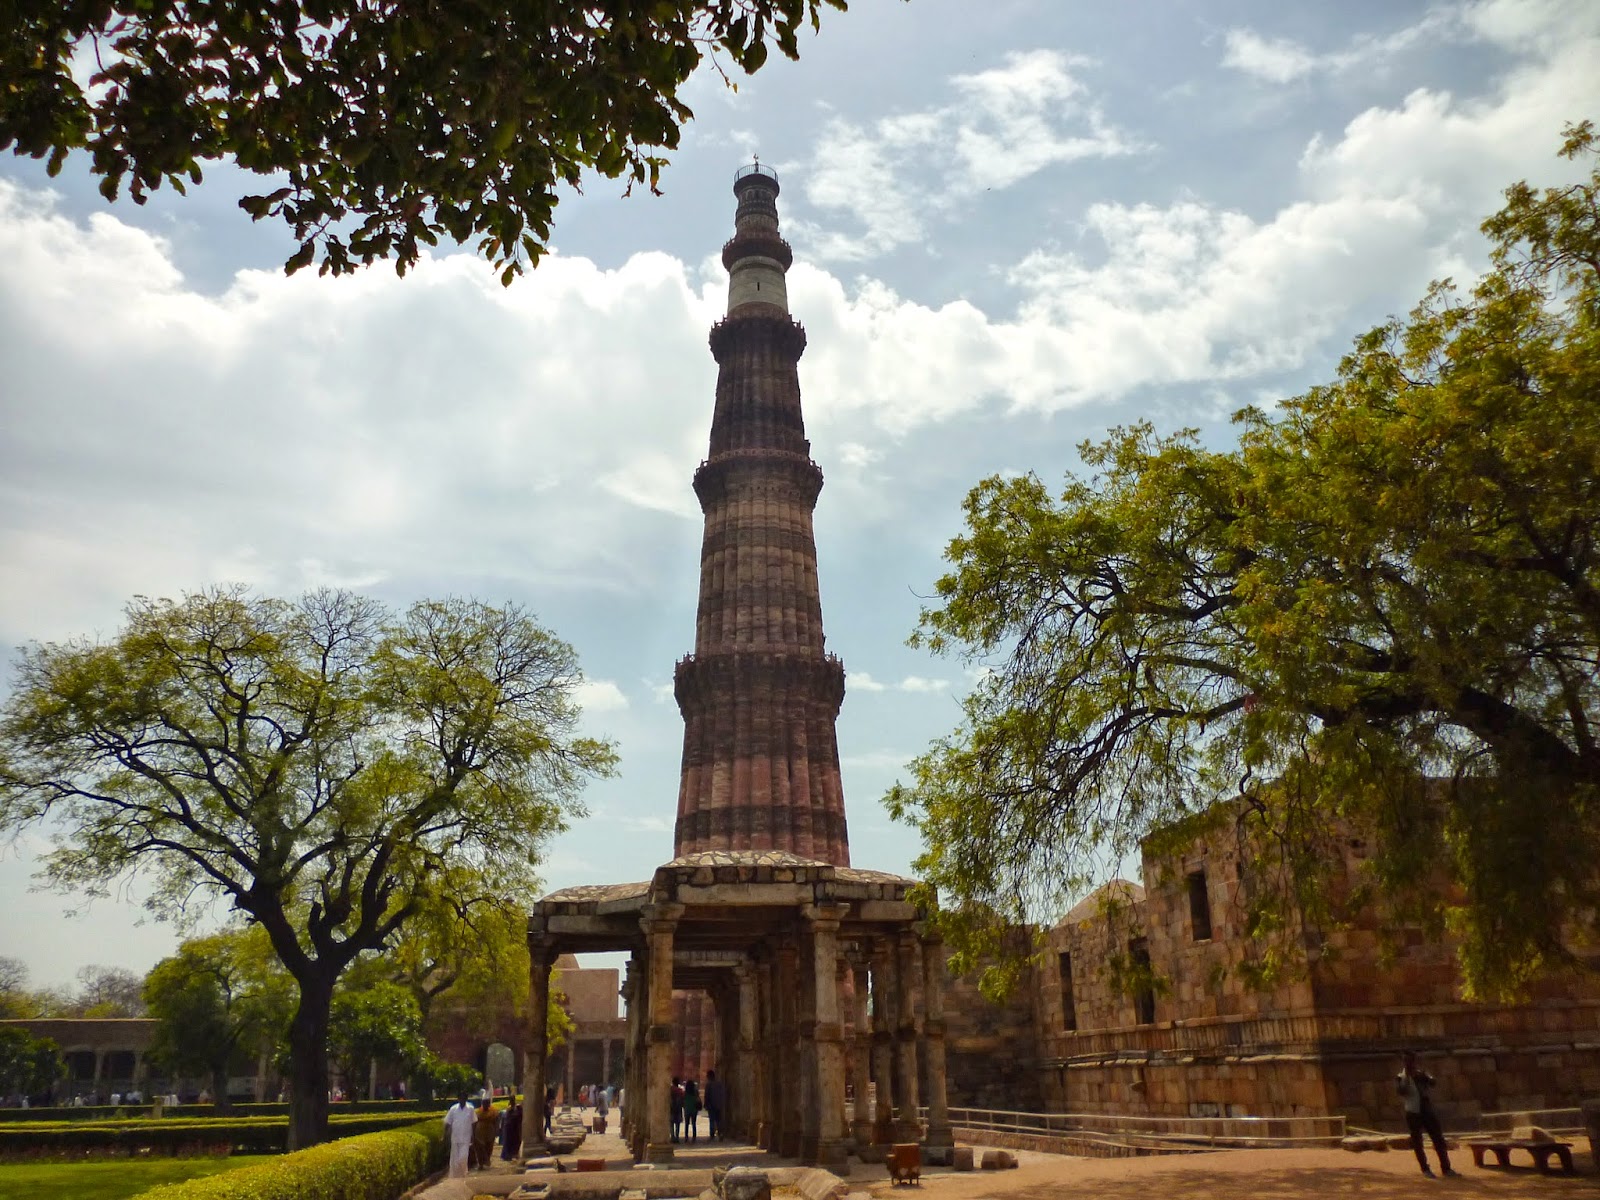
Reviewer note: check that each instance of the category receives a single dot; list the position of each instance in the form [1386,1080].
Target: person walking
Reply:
[483,1129]
[677,1108]
[716,1104]
[458,1123]
[1415,1086]
[511,1129]
[691,1110]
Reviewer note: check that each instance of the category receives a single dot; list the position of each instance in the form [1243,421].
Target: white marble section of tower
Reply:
[757,278]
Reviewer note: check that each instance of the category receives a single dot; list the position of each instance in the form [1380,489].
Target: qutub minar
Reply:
[760,694]
[755,950]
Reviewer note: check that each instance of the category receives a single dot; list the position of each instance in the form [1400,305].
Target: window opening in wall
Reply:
[1199,907]
[1069,1008]
[1144,998]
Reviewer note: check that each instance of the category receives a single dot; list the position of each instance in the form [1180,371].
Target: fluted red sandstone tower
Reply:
[760,694]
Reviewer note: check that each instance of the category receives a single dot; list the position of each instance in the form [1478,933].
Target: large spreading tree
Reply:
[1379,611]
[319,764]
[378,125]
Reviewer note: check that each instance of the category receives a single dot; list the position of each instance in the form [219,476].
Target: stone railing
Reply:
[1555,1120]
[1152,1133]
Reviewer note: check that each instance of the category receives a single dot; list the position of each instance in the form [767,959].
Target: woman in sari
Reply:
[483,1131]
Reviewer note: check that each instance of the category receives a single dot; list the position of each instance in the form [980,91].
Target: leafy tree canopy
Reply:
[1379,611]
[381,1024]
[320,764]
[219,998]
[380,126]
[464,957]
[28,1065]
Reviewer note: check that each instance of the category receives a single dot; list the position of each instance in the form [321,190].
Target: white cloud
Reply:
[1282,60]
[1276,60]
[305,433]
[876,760]
[860,681]
[1002,126]
[599,695]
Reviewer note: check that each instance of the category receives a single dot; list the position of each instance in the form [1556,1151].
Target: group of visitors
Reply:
[688,1101]
[473,1131]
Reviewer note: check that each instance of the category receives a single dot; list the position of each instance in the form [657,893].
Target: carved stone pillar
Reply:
[788,1116]
[638,1106]
[940,1136]
[743,1087]
[767,1063]
[630,1012]
[885,1000]
[824,1144]
[861,1118]
[659,927]
[908,1126]
[541,955]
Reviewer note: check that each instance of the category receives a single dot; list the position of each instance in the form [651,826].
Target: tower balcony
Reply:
[775,326]
[704,681]
[754,172]
[795,475]
[757,245]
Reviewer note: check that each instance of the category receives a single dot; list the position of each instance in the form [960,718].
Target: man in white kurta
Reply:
[458,1124]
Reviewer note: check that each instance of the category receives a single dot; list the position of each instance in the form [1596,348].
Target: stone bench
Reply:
[1541,1151]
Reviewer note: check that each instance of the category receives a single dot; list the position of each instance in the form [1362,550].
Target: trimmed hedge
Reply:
[98,1112]
[378,1166]
[222,1135]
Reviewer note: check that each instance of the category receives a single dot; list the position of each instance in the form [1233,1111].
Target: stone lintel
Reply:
[746,894]
[584,926]
[886,911]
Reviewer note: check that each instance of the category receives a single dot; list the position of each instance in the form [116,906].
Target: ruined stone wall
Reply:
[591,992]
[991,1050]
[1327,1042]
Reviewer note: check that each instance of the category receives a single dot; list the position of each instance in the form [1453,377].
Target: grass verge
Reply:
[109,1180]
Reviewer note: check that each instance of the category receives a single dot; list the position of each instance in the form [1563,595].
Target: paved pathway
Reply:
[1220,1175]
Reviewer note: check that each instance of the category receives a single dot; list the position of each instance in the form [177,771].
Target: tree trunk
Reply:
[219,1089]
[308,1064]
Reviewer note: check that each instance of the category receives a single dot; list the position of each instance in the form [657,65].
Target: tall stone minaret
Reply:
[759,695]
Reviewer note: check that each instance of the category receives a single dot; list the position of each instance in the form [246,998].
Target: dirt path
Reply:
[1261,1174]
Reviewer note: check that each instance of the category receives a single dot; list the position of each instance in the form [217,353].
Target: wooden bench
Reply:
[904,1160]
[1541,1152]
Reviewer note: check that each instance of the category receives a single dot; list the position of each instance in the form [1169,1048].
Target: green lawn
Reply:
[111,1179]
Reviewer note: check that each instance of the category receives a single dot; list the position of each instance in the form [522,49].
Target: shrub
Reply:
[378,1166]
[209,1111]
[217,1135]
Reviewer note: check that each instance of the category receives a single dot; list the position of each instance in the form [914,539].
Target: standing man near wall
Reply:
[716,1102]
[1414,1085]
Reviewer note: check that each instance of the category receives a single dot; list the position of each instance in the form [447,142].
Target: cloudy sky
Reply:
[1016,224]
